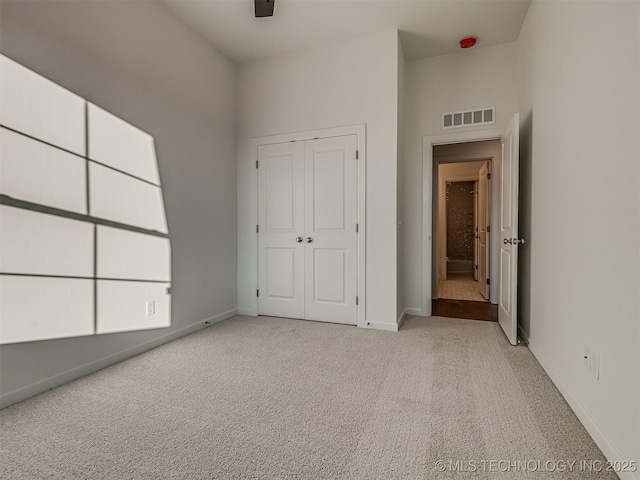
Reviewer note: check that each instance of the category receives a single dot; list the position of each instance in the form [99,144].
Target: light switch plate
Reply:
[151,307]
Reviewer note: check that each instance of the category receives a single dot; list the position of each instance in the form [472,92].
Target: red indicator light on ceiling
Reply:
[468,42]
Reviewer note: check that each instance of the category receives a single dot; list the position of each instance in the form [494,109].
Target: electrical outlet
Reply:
[586,358]
[151,307]
[595,365]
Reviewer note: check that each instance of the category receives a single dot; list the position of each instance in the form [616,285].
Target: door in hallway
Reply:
[509,241]
[307,193]
[483,235]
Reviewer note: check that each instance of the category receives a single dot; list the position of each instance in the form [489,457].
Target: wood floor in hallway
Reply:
[443,307]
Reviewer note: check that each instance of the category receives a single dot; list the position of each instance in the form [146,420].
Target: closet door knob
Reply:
[309,239]
[299,239]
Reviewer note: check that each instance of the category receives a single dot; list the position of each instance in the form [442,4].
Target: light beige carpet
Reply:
[278,398]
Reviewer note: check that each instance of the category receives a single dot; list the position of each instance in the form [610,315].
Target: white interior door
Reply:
[476,237]
[330,230]
[281,230]
[307,223]
[483,235]
[507,311]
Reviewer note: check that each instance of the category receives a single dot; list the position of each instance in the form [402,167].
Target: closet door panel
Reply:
[330,223]
[281,224]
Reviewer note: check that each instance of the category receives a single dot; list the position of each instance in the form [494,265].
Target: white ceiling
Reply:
[428,27]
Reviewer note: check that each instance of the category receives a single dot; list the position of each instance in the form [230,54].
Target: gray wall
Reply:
[137,61]
[580,179]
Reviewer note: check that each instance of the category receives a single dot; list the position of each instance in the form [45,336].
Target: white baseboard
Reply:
[401,318]
[416,312]
[389,327]
[247,312]
[599,437]
[220,317]
[67,376]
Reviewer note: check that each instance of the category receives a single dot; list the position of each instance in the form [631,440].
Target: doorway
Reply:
[504,244]
[460,262]
[463,209]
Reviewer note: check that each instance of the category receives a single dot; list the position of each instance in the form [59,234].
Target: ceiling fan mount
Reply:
[264,8]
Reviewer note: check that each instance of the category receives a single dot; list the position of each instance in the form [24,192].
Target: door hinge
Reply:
[168,290]
[488,229]
[488,176]
[257,228]
[488,281]
[257,293]
[476,267]
[256,163]
[357,228]
[357,300]
[357,154]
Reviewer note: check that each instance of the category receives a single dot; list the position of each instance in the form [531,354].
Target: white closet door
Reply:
[281,224]
[330,230]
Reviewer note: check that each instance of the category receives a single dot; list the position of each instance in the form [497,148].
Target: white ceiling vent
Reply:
[468,118]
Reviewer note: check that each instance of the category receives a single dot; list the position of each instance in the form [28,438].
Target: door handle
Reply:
[309,239]
[514,241]
[298,239]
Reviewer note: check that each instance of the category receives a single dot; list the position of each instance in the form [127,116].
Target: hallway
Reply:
[460,287]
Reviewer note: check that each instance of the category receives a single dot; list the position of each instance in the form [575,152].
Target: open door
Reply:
[483,235]
[476,237]
[507,309]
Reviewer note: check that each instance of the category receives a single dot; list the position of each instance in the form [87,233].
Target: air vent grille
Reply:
[468,118]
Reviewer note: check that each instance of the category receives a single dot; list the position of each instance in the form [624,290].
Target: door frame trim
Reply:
[428,142]
[361,145]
